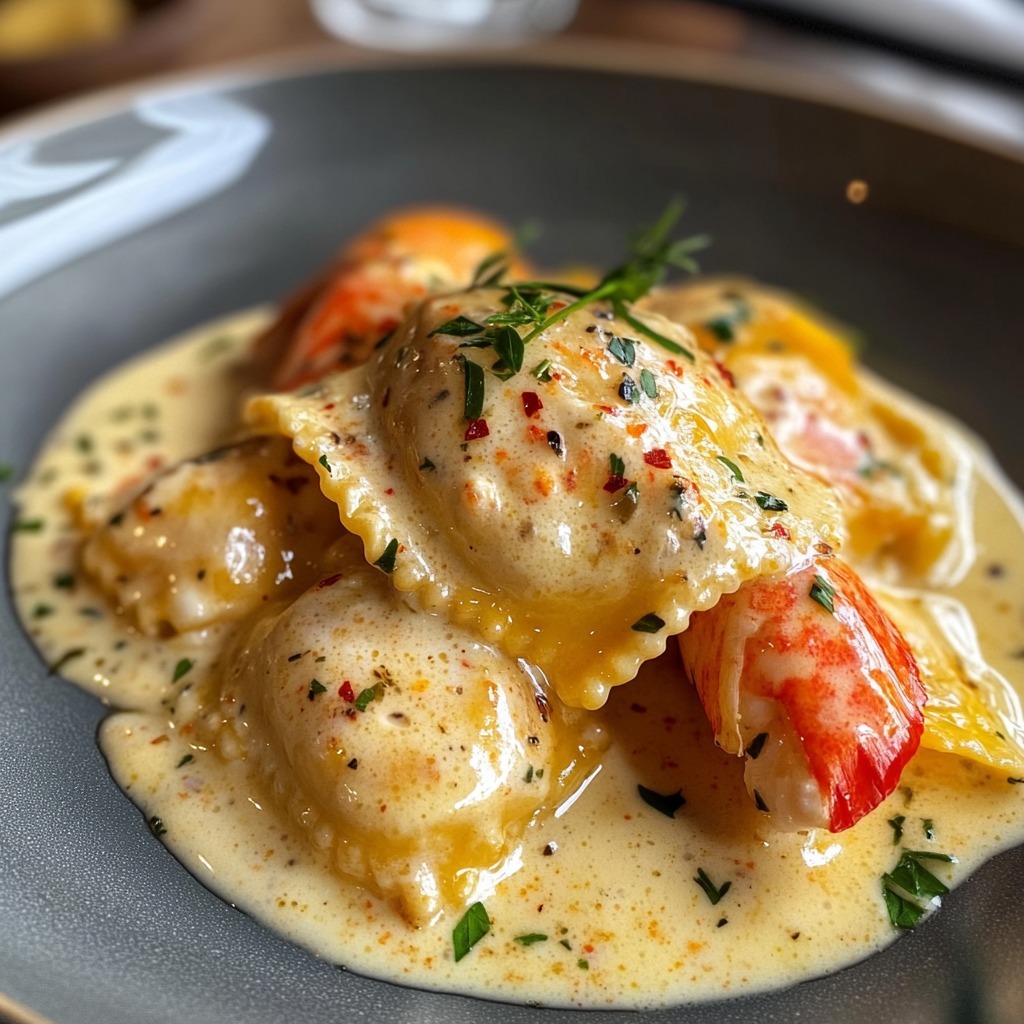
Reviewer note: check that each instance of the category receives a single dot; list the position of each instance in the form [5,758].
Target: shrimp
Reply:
[809,679]
[338,319]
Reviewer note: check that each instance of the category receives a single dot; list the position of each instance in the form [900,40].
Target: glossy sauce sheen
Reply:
[603,907]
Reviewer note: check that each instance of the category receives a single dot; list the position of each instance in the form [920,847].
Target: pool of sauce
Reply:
[605,907]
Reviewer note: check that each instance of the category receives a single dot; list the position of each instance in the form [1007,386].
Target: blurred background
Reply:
[961,59]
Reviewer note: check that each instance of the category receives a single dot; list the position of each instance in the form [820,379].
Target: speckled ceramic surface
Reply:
[127,222]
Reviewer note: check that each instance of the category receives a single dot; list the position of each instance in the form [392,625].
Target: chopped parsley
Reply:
[473,403]
[182,669]
[713,892]
[769,502]
[471,928]
[823,592]
[649,623]
[910,888]
[737,473]
[315,689]
[665,803]
[386,562]
[530,938]
[896,824]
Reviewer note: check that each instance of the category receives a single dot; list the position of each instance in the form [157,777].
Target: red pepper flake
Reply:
[387,398]
[329,406]
[390,491]
[658,458]
[536,434]
[726,374]
[531,403]
[346,692]
[330,581]
[476,430]
[778,530]
[607,410]
[615,483]
[673,367]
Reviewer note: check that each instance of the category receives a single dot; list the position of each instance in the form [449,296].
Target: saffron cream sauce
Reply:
[601,903]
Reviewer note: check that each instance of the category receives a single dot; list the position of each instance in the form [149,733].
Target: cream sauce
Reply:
[600,906]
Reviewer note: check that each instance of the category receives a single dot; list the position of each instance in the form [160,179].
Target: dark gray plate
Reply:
[126,222]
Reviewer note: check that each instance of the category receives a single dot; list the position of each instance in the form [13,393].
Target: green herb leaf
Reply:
[366,697]
[713,892]
[75,652]
[896,824]
[474,399]
[471,928]
[386,562]
[510,349]
[737,473]
[427,464]
[823,592]
[324,462]
[542,371]
[183,668]
[769,502]
[530,938]
[460,327]
[188,758]
[617,465]
[910,887]
[649,384]
[666,803]
[623,349]
[315,689]
[156,826]
[649,623]
[28,525]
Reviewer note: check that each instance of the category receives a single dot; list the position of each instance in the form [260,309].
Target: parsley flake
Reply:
[471,928]
[823,592]
[386,562]
[649,623]
[713,892]
[530,938]
[769,502]
[737,473]
[665,803]
[315,689]
[182,669]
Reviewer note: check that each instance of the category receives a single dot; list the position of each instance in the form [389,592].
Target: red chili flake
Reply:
[532,403]
[346,692]
[615,483]
[536,433]
[330,581]
[726,374]
[476,430]
[674,367]
[390,491]
[329,406]
[387,398]
[607,410]
[658,458]
[778,530]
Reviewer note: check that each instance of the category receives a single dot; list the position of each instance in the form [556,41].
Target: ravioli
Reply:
[412,755]
[211,539]
[596,497]
[904,483]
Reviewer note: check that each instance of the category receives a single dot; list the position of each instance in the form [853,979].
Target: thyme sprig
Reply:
[652,254]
